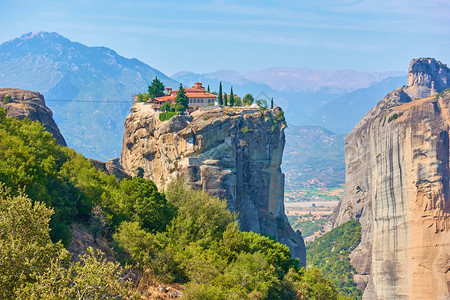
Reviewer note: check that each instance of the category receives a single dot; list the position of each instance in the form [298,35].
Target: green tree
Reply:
[231,100]
[271,103]
[262,103]
[91,277]
[25,245]
[219,96]
[165,107]
[156,89]
[330,254]
[7,99]
[208,89]
[248,99]
[140,201]
[225,99]
[181,98]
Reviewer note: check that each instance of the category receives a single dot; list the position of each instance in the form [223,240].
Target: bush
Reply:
[167,116]
[7,99]
[32,267]
[330,254]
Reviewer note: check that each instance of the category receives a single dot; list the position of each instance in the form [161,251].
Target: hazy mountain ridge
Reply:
[70,72]
[303,79]
[343,113]
[310,97]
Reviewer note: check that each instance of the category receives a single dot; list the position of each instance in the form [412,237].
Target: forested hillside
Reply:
[180,236]
[330,254]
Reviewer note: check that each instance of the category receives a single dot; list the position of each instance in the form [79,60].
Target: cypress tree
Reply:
[231,97]
[181,98]
[225,99]
[156,89]
[271,103]
[219,97]
[208,89]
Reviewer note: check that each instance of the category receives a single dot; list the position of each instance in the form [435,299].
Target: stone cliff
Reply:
[234,154]
[397,185]
[31,105]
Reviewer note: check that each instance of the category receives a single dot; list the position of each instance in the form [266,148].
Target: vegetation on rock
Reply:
[181,236]
[330,254]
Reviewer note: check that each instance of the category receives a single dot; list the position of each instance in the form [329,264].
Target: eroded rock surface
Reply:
[111,167]
[229,153]
[397,185]
[31,105]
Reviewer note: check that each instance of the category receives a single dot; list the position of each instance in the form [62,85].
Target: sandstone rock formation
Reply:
[111,167]
[233,154]
[397,185]
[31,105]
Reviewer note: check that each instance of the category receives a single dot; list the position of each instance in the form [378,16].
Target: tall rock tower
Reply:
[234,154]
[397,185]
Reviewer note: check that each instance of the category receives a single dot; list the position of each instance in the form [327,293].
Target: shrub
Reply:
[7,99]
[167,115]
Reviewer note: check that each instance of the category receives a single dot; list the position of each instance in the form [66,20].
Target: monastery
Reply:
[197,95]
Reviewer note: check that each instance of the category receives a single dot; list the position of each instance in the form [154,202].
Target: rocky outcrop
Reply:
[31,105]
[397,185]
[234,154]
[111,167]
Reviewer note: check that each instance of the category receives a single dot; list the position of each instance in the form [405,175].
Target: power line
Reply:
[88,101]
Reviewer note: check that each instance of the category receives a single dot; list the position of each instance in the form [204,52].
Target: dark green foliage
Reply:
[165,107]
[7,99]
[30,160]
[142,97]
[219,96]
[271,103]
[208,89]
[330,254]
[203,249]
[167,115]
[184,236]
[231,100]
[248,99]
[394,116]
[156,89]
[262,103]
[280,116]
[225,99]
[138,200]
[181,98]
[441,94]
[32,267]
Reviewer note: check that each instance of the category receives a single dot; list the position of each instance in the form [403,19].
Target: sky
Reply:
[247,35]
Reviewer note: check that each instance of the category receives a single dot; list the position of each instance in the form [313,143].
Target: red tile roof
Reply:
[196,91]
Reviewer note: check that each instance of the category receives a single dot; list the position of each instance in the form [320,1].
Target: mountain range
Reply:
[90,89]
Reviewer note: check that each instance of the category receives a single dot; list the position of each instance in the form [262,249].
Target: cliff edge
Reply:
[31,105]
[231,153]
[397,185]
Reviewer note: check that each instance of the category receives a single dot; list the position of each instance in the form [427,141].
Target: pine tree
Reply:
[156,89]
[181,98]
[231,97]
[208,89]
[225,99]
[219,97]
[271,103]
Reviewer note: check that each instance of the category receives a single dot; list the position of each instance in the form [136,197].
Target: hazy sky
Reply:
[204,36]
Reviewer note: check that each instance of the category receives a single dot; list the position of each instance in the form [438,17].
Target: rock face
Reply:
[397,185]
[233,154]
[111,167]
[31,105]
